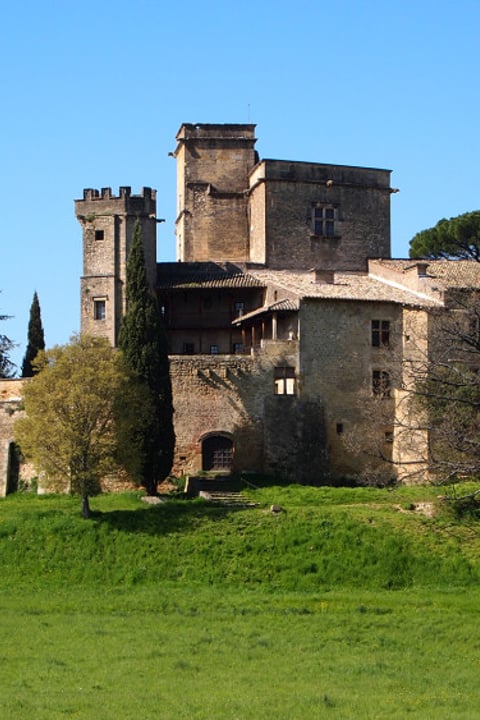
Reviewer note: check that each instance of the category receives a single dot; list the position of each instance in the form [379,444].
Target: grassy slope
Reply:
[190,611]
[325,538]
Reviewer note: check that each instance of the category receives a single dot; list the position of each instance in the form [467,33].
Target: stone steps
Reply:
[226,497]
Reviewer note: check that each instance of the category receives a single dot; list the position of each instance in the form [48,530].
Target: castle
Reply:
[291,331]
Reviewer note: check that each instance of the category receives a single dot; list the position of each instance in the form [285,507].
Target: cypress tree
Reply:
[144,345]
[36,337]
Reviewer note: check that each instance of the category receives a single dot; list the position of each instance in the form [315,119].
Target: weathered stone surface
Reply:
[10,403]
[269,311]
[107,224]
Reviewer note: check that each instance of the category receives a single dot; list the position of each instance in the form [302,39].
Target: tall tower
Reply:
[108,222]
[213,165]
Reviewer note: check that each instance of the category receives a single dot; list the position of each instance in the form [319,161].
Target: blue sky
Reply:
[94,92]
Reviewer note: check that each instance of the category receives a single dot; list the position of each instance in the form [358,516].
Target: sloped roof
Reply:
[182,276]
[293,285]
[346,286]
[446,273]
[279,306]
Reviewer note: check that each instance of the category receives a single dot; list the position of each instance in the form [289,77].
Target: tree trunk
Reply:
[85,507]
[151,488]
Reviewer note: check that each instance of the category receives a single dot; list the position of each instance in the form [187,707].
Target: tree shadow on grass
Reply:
[169,517]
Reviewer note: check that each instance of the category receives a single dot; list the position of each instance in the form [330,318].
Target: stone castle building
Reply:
[292,333]
[285,314]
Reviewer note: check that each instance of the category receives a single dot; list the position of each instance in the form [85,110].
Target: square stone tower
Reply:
[108,223]
[213,167]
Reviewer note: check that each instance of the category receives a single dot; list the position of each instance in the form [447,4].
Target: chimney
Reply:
[324,276]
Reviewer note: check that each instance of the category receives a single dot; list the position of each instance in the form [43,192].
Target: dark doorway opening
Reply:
[13,468]
[217,453]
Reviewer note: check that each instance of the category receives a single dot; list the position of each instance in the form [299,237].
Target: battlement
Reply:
[103,202]
[125,191]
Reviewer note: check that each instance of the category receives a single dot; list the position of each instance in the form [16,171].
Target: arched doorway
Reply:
[217,453]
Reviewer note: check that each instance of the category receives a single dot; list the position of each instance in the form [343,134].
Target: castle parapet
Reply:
[125,191]
[96,203]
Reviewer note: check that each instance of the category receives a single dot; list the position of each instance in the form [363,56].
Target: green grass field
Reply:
[349,604]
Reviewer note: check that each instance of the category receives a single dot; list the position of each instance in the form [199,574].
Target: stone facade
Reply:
[294,338]
[285,314]
[107,223]
[307,215]
[10,410]
[213,165]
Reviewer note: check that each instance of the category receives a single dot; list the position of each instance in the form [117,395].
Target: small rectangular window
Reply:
[188,348]
[237,348]
[339,428]
[284,381]
[388,436]
[323,220]
[213,349]
[99,234]
[381,383]
[380,333]
[99,309]
[239,308]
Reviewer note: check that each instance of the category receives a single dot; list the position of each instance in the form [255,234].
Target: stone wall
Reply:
[234,395]
[107,224]
[337,362]
[10,399]
[213,394]
[284,237]
[213,164]
[218,223]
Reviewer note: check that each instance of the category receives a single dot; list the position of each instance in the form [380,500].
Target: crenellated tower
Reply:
[108,222]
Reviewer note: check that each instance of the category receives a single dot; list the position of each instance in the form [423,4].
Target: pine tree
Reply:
[144,345]
[36,337]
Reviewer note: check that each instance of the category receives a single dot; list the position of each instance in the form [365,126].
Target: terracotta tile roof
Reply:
[346,286]
[284,305]
[446,273]
[295,285]
[182,276]
[279,306]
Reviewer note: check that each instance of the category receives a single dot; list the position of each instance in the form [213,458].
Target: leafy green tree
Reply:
[7,368]
[36,337]
[458,238]
[73,405]
[144,345]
